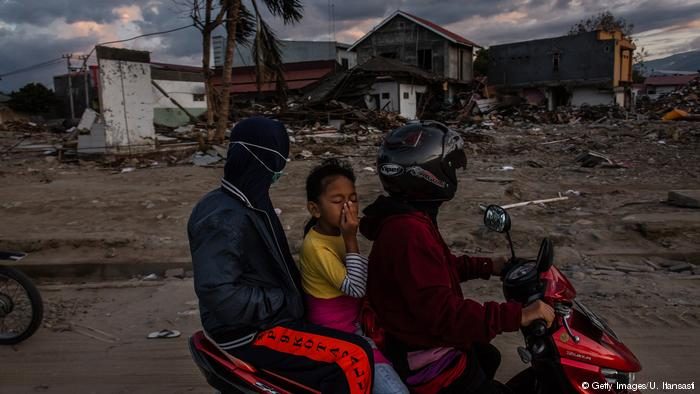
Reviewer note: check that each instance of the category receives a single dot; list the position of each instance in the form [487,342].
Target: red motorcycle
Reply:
[579,353]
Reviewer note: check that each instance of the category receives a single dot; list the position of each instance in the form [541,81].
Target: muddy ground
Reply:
[616,238]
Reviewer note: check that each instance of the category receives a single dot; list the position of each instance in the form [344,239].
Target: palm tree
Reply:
[240,25]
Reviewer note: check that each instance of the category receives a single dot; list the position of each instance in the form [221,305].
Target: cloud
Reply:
[36,30]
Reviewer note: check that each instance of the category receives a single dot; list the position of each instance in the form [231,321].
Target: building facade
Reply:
[421,43]
[588,68]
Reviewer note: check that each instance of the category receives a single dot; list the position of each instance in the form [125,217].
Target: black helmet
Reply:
[419,161]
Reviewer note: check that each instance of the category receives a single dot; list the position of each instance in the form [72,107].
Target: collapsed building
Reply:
[593,68]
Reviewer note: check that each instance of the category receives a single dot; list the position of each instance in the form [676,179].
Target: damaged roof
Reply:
[670,80]
[296,75]
[435,28]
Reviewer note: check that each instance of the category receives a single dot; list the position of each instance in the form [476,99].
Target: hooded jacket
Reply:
[244,275]
[414,283]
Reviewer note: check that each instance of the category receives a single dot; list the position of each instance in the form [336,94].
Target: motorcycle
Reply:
[21,307]
[578,354]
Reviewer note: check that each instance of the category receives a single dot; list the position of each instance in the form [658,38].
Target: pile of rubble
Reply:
[686,98]
[303,115]
[16,126]
[562,115]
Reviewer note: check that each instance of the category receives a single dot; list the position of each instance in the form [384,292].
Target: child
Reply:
[334,273]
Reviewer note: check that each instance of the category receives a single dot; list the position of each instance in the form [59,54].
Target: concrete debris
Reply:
[681,267]
[205,159]
[679,103]
[178,273]
[684,198]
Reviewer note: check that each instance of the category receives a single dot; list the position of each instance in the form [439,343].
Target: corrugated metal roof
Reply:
[297,76]
[453,36]
[670,80]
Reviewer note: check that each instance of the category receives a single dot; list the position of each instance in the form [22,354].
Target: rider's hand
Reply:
[498,264]
[348,226]
[537,310]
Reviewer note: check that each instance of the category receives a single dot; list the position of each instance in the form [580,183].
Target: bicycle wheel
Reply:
[21,308]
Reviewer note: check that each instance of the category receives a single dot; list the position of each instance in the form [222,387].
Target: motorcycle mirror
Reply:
[497,219]
[545,257]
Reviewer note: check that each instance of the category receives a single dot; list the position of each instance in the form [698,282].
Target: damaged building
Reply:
[418,42]
[588,68]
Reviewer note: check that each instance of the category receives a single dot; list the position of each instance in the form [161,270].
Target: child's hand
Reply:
[348,219]
[348,227]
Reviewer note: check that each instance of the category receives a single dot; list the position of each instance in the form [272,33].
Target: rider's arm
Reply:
[426,284]
[220,277]
[473,267]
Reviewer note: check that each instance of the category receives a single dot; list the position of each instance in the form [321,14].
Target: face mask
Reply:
[276,175]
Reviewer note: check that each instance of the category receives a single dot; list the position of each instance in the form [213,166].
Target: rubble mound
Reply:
[686,98]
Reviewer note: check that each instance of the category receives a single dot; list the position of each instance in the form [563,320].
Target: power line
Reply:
[33,67]
[60,59]
[140,36]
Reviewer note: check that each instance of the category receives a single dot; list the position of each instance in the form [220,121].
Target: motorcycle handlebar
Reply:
[538,327]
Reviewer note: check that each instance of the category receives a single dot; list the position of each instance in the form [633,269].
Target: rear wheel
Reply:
[21,308]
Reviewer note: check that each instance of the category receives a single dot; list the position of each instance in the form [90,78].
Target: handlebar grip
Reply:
[538,327]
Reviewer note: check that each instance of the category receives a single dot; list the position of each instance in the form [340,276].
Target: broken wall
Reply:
[409,99]
[591,96]
[388,93]
[126,99]
[580,58]
[189,94]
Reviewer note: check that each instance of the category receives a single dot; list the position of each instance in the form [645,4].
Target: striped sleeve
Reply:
[355,282]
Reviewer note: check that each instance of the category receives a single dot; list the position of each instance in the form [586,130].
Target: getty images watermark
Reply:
[650,386]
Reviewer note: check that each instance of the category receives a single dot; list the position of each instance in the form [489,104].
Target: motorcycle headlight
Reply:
[614,377]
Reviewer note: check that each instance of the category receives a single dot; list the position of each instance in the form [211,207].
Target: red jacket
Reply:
[414,286]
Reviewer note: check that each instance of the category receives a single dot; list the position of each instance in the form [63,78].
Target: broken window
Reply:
[425,59]
[197,97]
[385,96]
[555,62]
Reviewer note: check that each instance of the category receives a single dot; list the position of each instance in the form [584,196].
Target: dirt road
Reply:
[616,238]
[95,340]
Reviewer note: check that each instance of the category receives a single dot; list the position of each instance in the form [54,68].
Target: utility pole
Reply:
[84,58]
[70,86]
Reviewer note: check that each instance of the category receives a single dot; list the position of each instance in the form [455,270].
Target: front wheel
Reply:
[21,308]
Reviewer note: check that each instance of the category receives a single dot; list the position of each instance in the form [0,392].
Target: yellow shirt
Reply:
[321,265]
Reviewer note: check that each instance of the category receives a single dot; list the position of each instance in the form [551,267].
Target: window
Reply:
[425,59]
[555,62]
[197,97]
[405,95]
[389,55]
[345,63]
[385,96]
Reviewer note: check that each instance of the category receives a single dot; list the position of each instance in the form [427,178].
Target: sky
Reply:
[37,31]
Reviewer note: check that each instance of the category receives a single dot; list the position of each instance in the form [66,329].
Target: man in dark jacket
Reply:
[414,279]
[247,282]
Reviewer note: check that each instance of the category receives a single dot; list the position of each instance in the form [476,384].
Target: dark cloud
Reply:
[34,49]
[26,43]
[43,12]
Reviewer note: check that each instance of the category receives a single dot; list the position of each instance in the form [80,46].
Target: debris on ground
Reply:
[684,198]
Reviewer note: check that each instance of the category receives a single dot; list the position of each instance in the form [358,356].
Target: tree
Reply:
[240,24]
[481,63]
[605,21]
[639,70]
[207,19]
[33,98]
